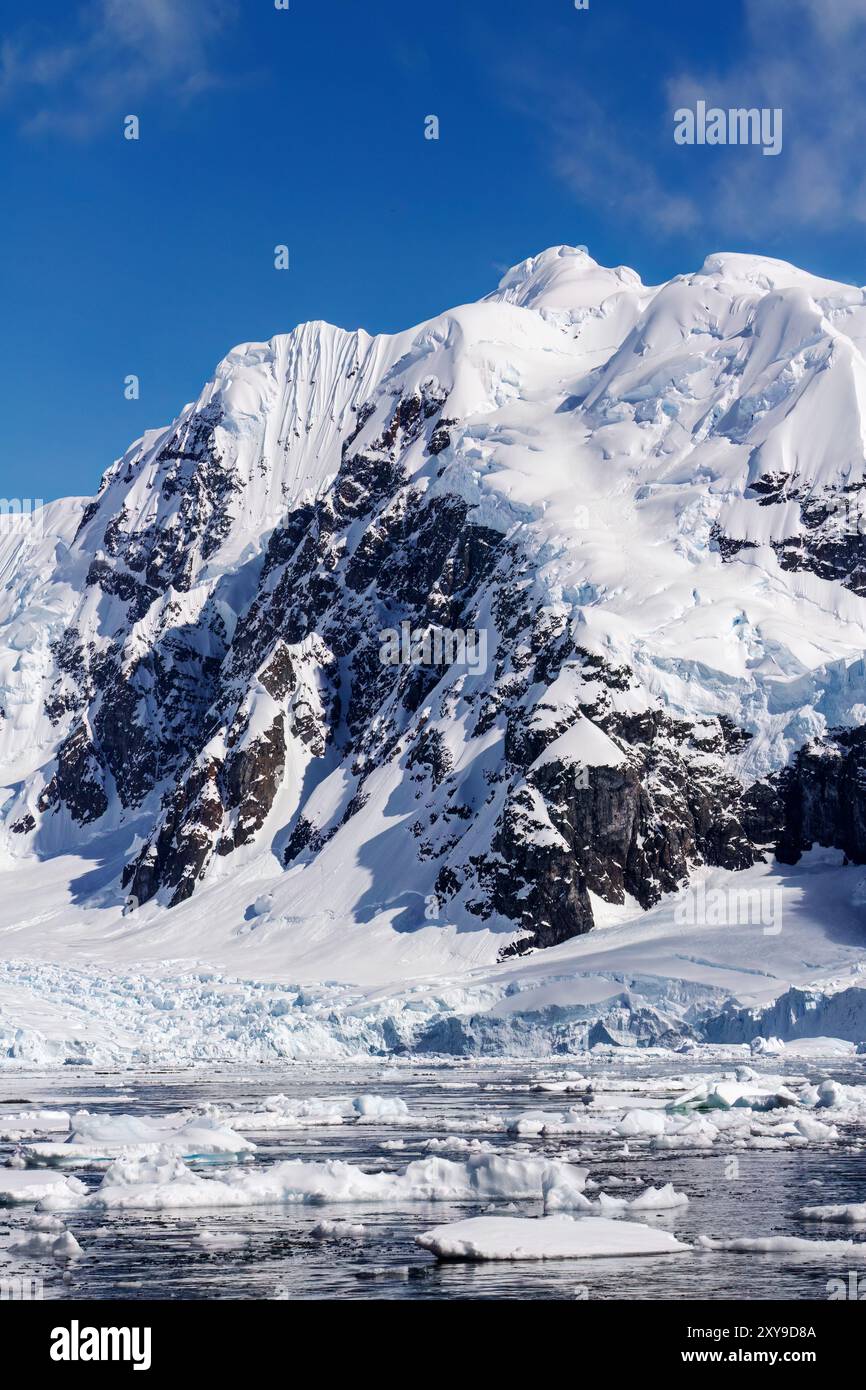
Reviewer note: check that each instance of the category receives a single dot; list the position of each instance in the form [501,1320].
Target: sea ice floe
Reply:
[564,1192]
[164,1182]
[29,1123]
[725,1095]
[97,1138]
[851,1213]
[454,1144]
[766,1046]
[546,1238]
[222,1240]
[380,1107]
[783,1245]
[634,1122]
[46,1245]
[290,1112]
[19,1185]
[653,1199]
[325,1230]
[530,1122]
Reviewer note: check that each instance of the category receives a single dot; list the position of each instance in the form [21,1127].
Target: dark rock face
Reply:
[634,829]
[824,798]
[145,700]
[175,857]
[413,561]
[218,805]
[195,475]
[251,776]
[192,710]
[831,541]
[78,780]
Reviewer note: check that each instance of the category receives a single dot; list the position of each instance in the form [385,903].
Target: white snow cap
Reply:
[563,277]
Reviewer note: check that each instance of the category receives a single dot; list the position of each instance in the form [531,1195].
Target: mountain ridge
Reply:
[631,491]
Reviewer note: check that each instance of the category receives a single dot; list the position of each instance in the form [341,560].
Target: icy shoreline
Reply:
[54,1016]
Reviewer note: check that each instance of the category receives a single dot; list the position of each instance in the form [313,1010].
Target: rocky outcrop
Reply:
[499,614]
[824,798]
[78,780]
[824,532]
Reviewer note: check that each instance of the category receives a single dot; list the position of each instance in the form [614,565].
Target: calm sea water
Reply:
[145,1255]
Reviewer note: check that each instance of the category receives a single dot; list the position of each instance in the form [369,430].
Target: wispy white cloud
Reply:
[806,56]
[608,171]
[591,152]
[113,53]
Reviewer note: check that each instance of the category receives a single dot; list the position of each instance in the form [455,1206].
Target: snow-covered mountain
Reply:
[643,504]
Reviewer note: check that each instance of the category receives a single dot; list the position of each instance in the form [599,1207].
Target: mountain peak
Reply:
[563,277]
[629,494]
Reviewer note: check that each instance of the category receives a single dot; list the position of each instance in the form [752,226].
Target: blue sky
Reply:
[306,127]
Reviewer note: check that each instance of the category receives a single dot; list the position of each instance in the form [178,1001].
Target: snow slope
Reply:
[648,979]
[647,501]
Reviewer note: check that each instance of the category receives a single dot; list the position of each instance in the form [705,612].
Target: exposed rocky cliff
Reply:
[547,601]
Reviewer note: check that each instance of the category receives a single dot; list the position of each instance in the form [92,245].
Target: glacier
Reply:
[228,831]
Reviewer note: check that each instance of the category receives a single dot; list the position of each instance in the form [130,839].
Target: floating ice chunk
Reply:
[283,1112]
[852,1213]
[641,1122]
[814,1130]
[326,1229]
[834,1095]
[545,1238]
[23,1185]
[783,1245]
[46,1245]
[454,1144]
[612,1205]
[202,1134]
[29,1123]
[576,1084]
[379,1107]
[766,1046]
[42,1222]
[288,1112]
[651,1199]
[532,1122]
[696,1132]
[742,1094]
[164,1182]
[659,1199]
[98,1138]
[222,1240]
[564,1193]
